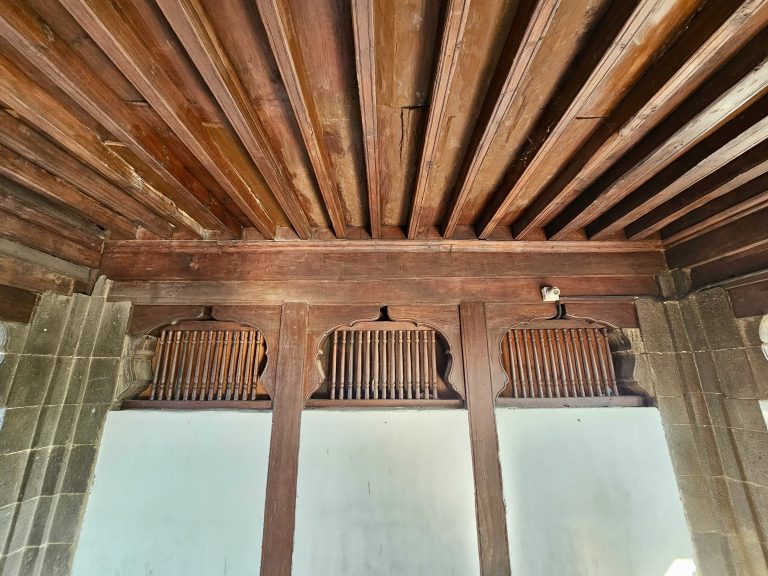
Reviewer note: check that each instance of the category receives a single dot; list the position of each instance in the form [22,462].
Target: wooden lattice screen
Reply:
[550,362]
[218,364]
[400,362]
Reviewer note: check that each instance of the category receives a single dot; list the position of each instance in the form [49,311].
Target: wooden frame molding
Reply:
[489,497]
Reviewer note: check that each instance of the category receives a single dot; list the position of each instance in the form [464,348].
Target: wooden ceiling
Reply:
[323,119]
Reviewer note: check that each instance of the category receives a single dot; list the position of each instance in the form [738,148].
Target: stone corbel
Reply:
[137,366]
[764,335]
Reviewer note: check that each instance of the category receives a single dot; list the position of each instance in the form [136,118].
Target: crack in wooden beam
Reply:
[641,112]
[195,30]
[283,40]
[631,52]
[365,57]
[457,15]
[727,106]
[106,27]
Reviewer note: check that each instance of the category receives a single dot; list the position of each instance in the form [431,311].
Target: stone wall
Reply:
[708,374]
[58,381]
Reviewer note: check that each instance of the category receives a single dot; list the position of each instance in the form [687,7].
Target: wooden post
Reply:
[489,499]
[288,401]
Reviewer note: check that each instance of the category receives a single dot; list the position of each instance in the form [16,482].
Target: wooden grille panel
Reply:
[558,363]
[207,365]
[380,364]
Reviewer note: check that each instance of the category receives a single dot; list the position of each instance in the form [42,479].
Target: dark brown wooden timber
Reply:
[489,498]
[288,400]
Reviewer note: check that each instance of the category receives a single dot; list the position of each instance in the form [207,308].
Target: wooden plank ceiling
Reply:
[578,120]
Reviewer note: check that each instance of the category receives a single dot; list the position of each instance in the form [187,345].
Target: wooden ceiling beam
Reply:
[527,48]
[649,196]
[26,224]
[29,175]
[728,105]
[21,27]
[195,30]
[18,137]
[683,69]
[283,39]
[363,13]
[749,169]
[737,236]
[125,49]
[454,28]
[650,26]
[752,197]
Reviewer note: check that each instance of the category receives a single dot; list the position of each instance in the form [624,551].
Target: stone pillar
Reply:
[57,381]
[707,373]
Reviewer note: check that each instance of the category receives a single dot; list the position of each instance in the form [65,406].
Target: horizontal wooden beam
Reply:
[278,23]
[712,37]
[190,261]
[193,25]
[405,291]
[739,236]
[125,48]
[699,163]
[659,153]
[16,305]
[31,176]
[618,69]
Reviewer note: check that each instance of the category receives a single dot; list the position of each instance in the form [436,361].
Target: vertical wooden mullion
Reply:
[282,475]
[489,498]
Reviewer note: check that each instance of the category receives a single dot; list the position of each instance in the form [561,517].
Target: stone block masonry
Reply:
[57,381]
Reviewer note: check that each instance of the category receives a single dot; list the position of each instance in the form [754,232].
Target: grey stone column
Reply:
[58,381]
[707,372]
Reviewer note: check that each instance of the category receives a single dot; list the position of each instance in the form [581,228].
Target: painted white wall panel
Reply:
[385,493]
[590,492]
[177,494]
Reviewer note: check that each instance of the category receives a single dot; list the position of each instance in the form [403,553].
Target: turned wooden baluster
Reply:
[408,371]
[537,363]
[198,365]
[367,374]
[233,353]
[375,367]
[248,366]
[512,363]
[433,347]
[343,365]
[359,368]
[426,372]
[561,360]
[400,367]
[182,365]
[553,363]
[577,360]
[221,379]
[206,366]
[417,365]
[392,365]
[545,356]
[584,353]
[173,367]
[260,345]
[384,380]
[350,366]
[160,357]
[240,368]
[594,362]
[189,361]
[334,360]
[571,365]
[607,360]
[521,364]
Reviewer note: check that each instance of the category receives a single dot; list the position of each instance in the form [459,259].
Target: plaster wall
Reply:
[177,494]
[591,492]
[385,492]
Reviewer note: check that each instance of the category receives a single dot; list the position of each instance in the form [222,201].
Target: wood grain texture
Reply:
[713,36]
[622,64]
[118,40]
[194,26]
[282,475]
[283,38]
[489,497]
[16,305]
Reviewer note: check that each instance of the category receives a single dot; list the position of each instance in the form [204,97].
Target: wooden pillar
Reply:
[489,499]
[288,401]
